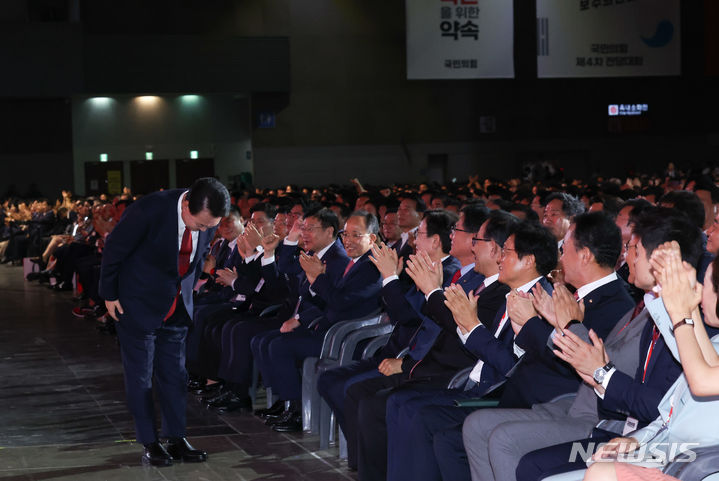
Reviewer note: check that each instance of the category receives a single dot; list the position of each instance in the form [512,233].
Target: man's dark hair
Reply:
[571,206]
[234,211]
[419,204]
[265,207]
[327,218]
[658,225]
[686,202]
[610,203]
[344,209]
[282,209]
[370,221]
[208,193]
[599,233]
[474,217]
[500,225]
[533,239]
[529,213]
[638,206]
[440,222]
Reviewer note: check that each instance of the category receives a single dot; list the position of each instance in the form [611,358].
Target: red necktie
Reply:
[655,338]
[183,264]
[637,310]
[456,276]
[349,266]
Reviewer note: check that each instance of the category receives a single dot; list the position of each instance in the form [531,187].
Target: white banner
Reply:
[608,38]
[460,39]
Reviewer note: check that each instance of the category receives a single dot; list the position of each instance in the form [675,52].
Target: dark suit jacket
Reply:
[628,395]
[405,312]
[353,296]
[604,306]
[634,293]
[541,375]
[448,354]
[313,306]
[140,261]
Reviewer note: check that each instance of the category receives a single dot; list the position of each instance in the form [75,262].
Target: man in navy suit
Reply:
[353,294]
[151,262]
[622,396]
[406,451]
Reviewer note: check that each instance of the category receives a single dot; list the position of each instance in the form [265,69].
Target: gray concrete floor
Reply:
[63,414]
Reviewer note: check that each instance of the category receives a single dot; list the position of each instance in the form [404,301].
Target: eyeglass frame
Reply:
[476,240]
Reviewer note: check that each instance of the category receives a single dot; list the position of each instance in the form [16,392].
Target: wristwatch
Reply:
[687,320]
[601,372]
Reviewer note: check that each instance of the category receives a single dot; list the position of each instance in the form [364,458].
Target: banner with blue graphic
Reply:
[608,38]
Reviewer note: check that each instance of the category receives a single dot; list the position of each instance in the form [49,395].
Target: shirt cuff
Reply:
[267,260]
[518,351]
[389,279]
[605,382]
[464,337]
[290,243]
[432,292]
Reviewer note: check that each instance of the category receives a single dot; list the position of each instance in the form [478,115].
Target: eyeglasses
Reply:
[507,249]
[475,240]
[627,246]
[417,233]
[310,228]
[455,229]
[354,236]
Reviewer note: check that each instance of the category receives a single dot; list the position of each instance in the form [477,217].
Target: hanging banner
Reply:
[608,38]
[460,39]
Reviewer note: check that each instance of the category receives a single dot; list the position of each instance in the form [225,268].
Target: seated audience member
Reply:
[432,371]
[559,210]
[259,287]
[344,287]
[687,412]
[691,206]
[628,212]
[404,310]
[222,256]
[622,395]
[409,215]
[475,322]
[391,232]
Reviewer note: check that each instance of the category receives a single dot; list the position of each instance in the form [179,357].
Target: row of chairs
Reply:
[360,339]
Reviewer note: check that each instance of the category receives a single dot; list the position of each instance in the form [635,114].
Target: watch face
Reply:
[599,375]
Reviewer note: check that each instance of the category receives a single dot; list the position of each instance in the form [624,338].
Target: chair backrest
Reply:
[460,378]
[376,344]
[353,340]
[336,334]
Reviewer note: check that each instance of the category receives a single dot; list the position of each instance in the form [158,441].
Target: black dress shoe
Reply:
[208,390]
[195,385]
[275,410]
[291,425]
[282,418]
[222,396]
[234,403]
[156,455]
[179,448]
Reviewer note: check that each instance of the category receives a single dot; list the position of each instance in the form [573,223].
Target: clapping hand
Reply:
[544,304]
[681,293]
[566,308]
[269,244]
[426,274]
[520,308]
[312,265]
[386,261]
[583,357]
[463,307]
[226,277]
